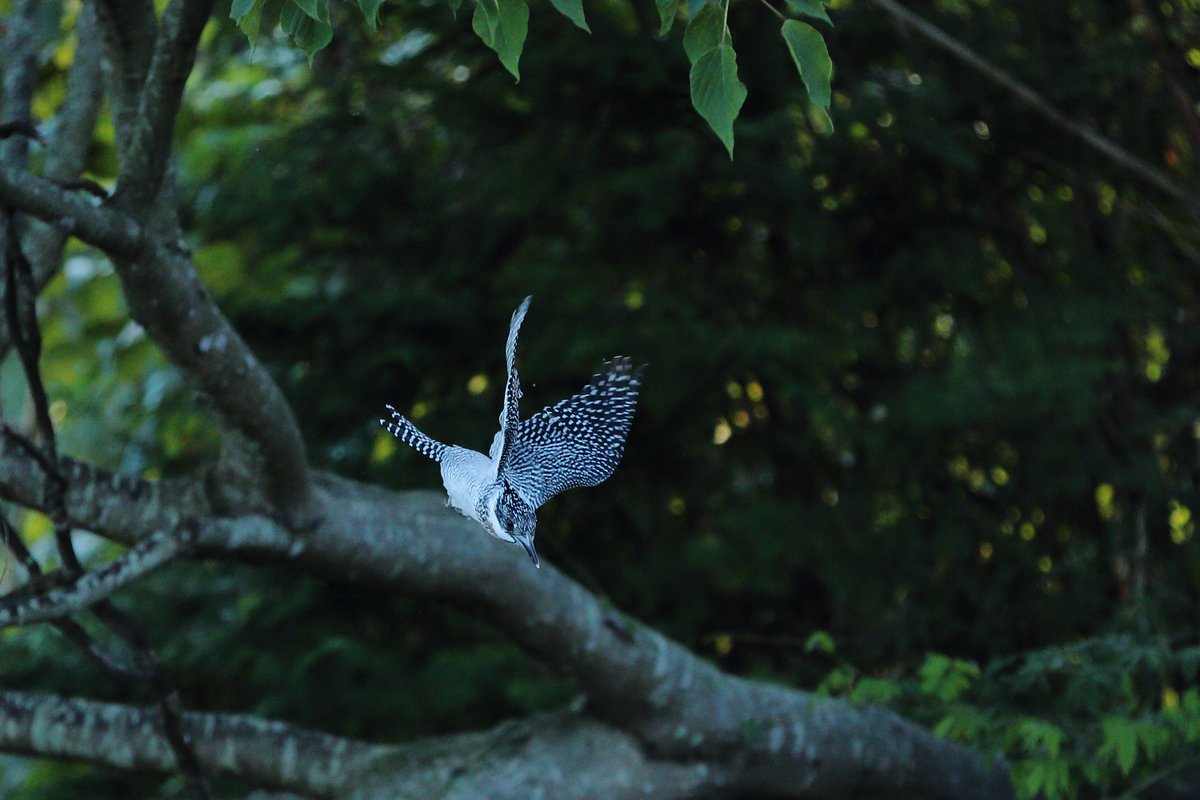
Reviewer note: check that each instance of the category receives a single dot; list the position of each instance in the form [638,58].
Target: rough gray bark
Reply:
[757,737]
[560,755]
[659,722]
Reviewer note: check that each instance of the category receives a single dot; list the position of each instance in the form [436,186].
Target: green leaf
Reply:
[716,91]
[1120,741]
[820,119]
[502,25]
[370,10]
[572,10]
[809,8]
[704,32]
[667,9]
[812,59]
[486,20]
[306,32]
[819,640]
[875,690]
[455,5]
[315,9]
[247,15]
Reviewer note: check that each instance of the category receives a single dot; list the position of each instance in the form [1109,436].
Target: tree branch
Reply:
[765,739]
[111,231]
[20,74]
[1088,135]
[150,137]
[69,141]
[168,299]
[144,557]
[264,753]
[561,755]
[72,130]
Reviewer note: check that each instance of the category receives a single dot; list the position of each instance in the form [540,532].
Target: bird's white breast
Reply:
[467,476]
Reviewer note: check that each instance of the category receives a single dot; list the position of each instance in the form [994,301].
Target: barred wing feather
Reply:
[509,417]
[576,442]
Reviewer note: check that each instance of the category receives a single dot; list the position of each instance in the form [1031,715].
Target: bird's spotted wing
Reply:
[575,442]
[512,387]
[406,432]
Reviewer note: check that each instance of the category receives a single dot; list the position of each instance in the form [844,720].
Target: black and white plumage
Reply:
[576,442]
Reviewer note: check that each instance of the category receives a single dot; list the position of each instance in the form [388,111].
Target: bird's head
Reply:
[517,520]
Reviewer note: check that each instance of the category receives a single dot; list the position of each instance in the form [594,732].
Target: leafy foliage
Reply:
[1103,715]
[717,93]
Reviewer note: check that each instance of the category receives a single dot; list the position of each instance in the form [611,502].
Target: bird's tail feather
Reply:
[406,432]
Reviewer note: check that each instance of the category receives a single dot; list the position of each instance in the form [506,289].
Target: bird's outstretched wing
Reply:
[509,418]
[577,441]
[406,432]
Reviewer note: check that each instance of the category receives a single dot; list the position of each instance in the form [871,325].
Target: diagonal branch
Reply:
[146,556]
[769,740]
[1088,135]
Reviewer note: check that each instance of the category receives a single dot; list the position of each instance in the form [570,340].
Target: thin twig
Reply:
[774,10]
[142,558]
[21,127]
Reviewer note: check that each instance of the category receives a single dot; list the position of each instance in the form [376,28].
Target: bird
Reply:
[576,442]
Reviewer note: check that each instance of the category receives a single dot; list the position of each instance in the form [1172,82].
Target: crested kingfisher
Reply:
[575,442]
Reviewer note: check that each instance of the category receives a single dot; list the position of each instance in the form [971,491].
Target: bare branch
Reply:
[25,332]
[1090,136]
[109,230]
[143,558]
[766,739]
[69,141]
[20,76]
[166,296]
[150,144]
[563,756]
[129,29]
[128,738]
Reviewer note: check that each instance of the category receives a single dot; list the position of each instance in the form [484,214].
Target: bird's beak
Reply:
[526,541]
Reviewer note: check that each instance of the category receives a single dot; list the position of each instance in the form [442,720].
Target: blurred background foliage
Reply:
[920,419]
